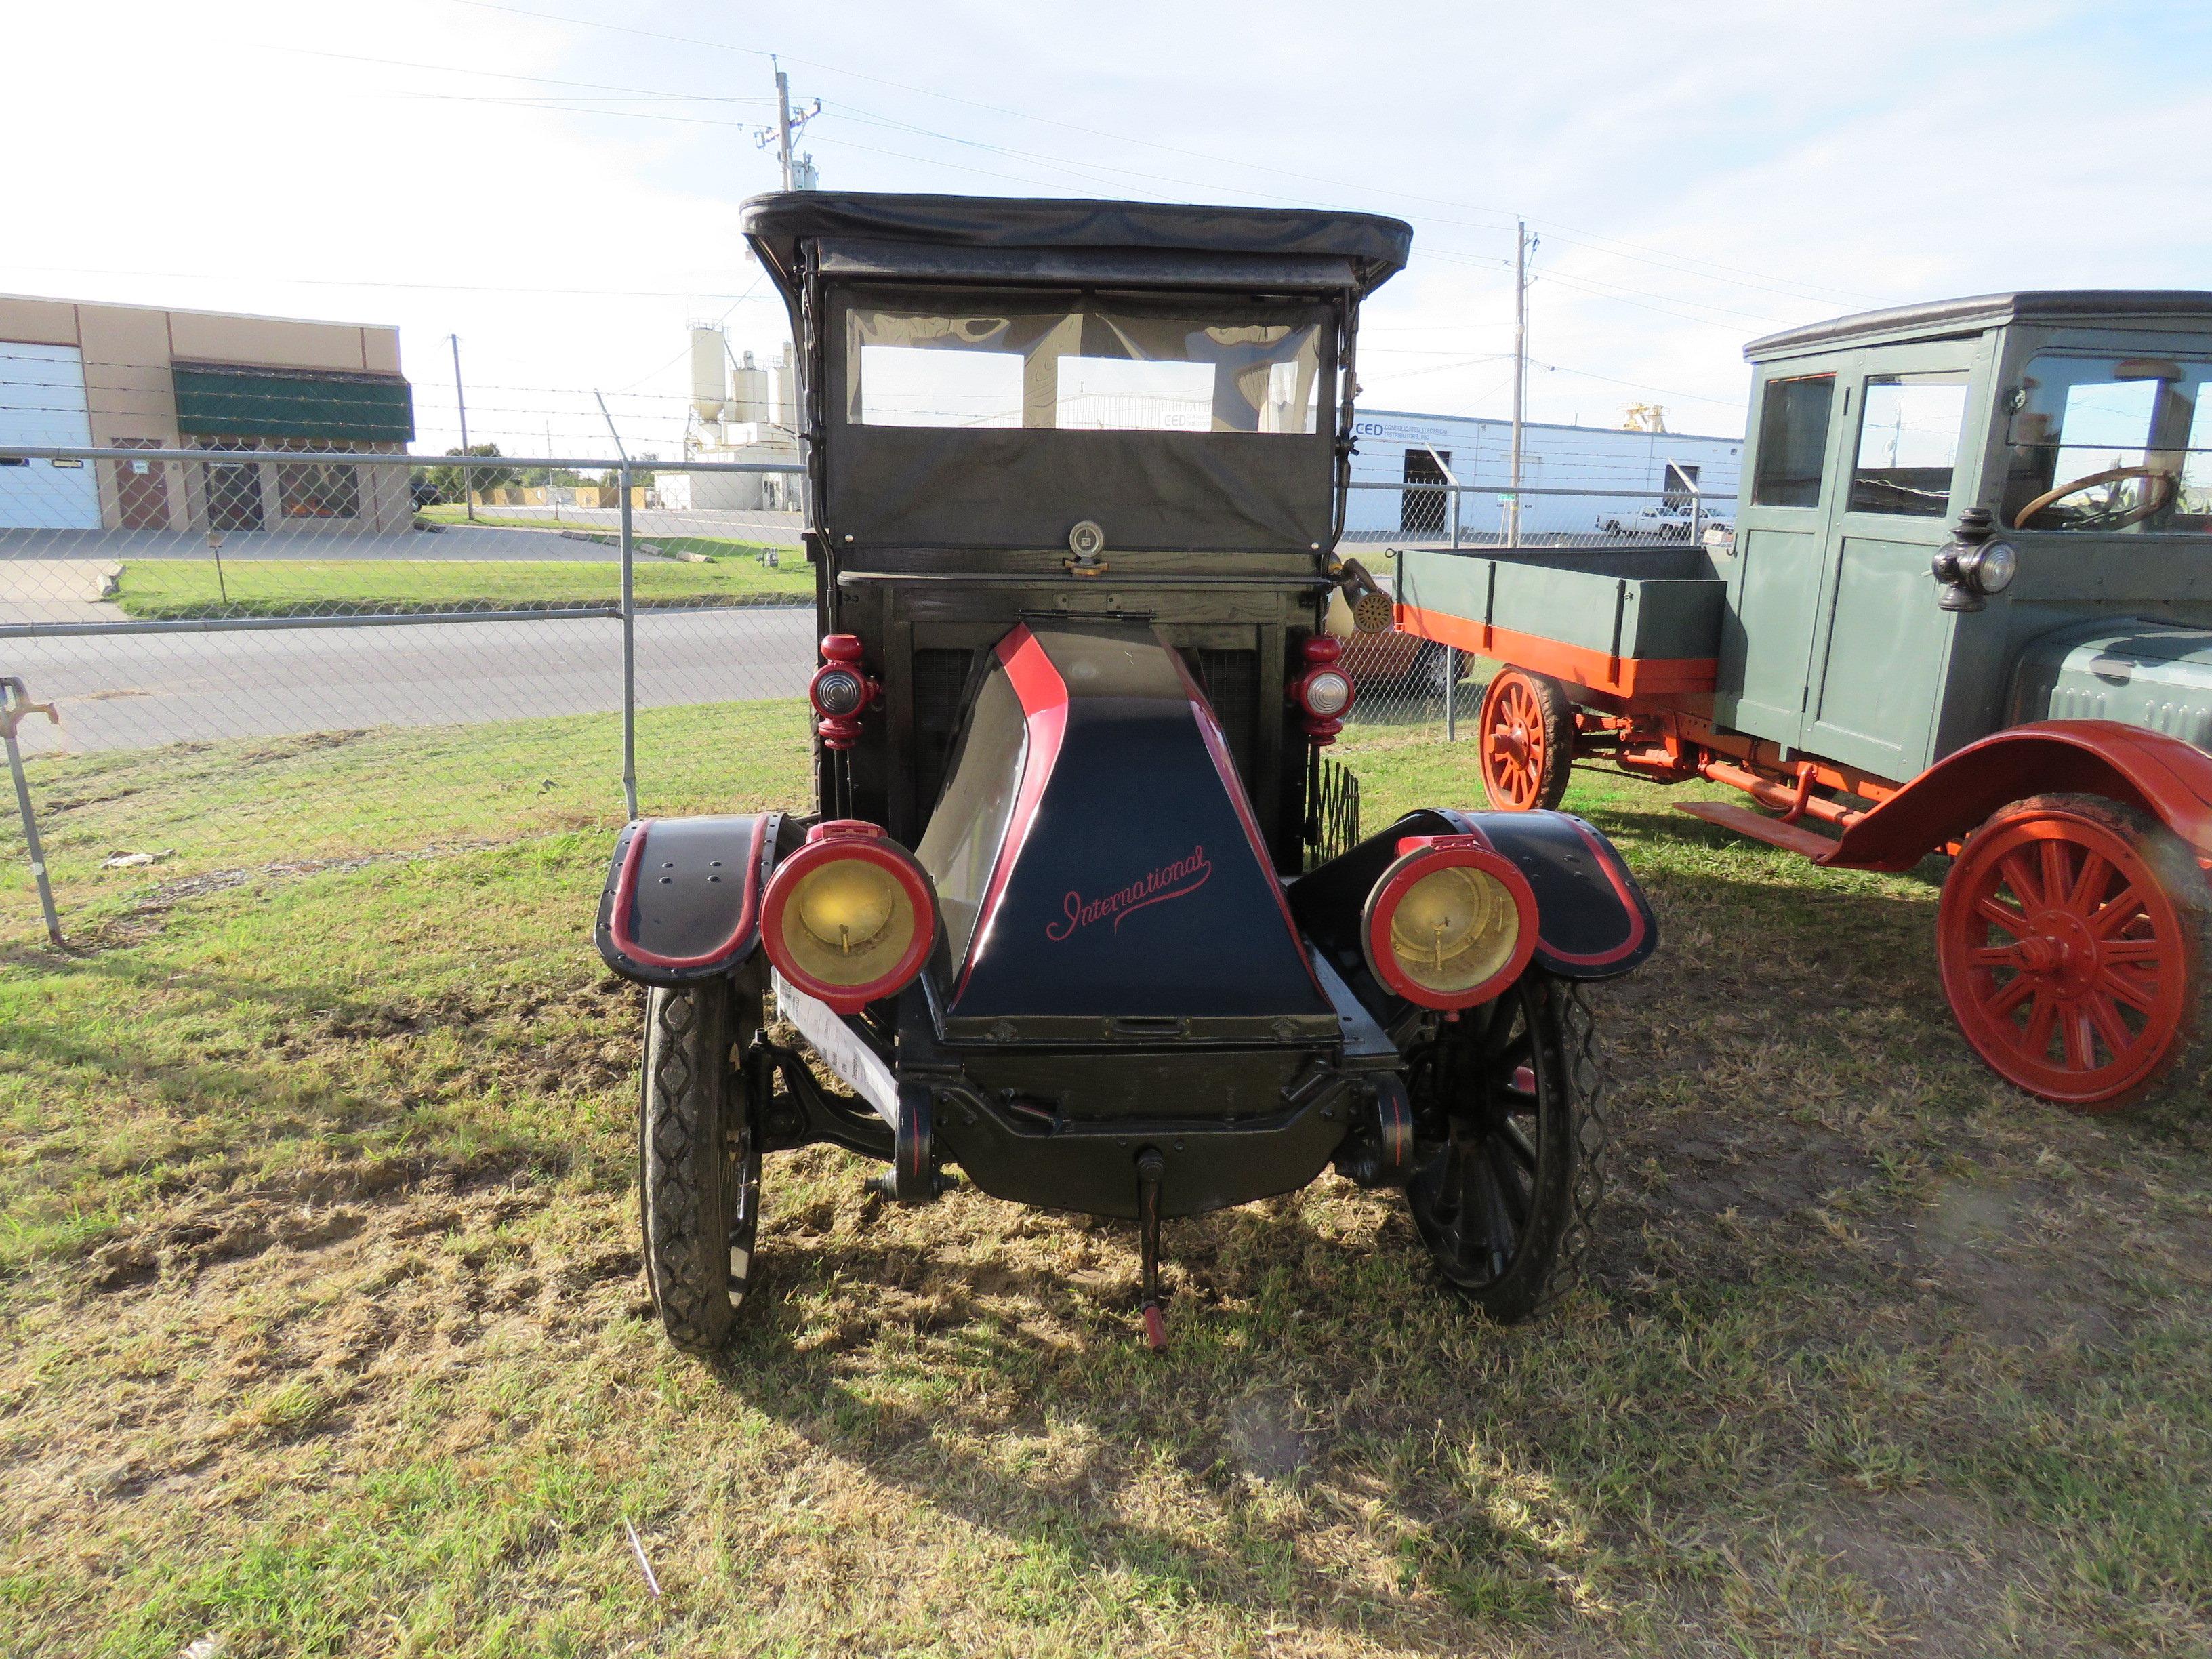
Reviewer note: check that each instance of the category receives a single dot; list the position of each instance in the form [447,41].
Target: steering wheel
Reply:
[2154,498]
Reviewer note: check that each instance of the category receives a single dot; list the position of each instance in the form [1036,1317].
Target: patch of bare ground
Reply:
[246,1322]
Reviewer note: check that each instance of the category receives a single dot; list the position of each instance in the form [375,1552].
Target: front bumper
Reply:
[1062,1127]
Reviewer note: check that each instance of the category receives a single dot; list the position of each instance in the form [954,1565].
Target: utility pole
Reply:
[1520,366]
[468,487]
[785,128]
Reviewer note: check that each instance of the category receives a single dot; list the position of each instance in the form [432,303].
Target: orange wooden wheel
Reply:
[2071,938]
[1526,733]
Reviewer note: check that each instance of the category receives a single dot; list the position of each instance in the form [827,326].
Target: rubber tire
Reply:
[2186,1067]
[698,1159]
[1568,1183]
[1557,717]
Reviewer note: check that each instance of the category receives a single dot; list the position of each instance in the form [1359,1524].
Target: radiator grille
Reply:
[939,677]
[1232,680]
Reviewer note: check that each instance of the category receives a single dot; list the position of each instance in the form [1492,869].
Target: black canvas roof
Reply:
[1934,317]
[1372,246]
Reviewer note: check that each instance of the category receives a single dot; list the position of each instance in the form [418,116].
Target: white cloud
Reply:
[1698,175]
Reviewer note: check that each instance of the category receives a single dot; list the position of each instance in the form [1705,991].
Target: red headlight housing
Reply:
[1324,693]
[850,917]
[1451,924]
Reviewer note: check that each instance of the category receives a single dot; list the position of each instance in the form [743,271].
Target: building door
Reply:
[1424,512]
[1681,482]
[42,405]
[142,488]
[234,493]
[1883,643]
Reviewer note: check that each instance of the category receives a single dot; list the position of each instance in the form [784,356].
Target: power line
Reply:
[1670,259]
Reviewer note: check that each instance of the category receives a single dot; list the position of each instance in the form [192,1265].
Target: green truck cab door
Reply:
[1774,587]
[1904,470]
[1833,643]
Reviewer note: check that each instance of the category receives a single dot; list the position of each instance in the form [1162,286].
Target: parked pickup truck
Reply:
[1663,523]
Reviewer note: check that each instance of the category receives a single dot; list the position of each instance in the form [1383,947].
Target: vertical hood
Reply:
[1097,862]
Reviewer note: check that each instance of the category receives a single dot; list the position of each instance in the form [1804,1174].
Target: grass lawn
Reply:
[319,1257]
[160,588]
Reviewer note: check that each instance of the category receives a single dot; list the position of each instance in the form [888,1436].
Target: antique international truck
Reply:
[1967,607]
[1083,911]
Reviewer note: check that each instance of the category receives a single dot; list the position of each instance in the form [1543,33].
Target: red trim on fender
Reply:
[1608,861]
[626,897]
[1043,697]
[1217,746]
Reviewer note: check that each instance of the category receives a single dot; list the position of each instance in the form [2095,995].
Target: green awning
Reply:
[222,400]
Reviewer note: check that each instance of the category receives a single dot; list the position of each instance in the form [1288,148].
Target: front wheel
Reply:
[1509,1148]
[2074,939]
[699,1159]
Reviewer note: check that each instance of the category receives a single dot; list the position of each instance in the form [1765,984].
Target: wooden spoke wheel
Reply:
[699,1158]
[1526,732]
[1507,1170]
[2072,940]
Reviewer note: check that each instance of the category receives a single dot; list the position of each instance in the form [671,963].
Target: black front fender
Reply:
[682,896]
[1592,919]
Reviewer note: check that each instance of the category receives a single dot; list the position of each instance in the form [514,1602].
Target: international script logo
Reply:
[1170,881]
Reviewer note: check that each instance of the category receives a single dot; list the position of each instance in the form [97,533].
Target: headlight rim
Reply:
[1420,857]
[1992,567]
[832,842]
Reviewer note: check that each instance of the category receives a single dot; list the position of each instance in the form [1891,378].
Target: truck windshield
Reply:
[2106,443]
[1095,367]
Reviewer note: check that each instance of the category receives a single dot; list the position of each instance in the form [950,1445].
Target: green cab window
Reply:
[1793,440]
[1909,428]
[2105,443]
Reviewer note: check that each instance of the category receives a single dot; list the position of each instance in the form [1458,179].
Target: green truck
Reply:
[1966,606]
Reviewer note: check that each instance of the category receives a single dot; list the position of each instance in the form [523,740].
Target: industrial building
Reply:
[740,410]
[76,374]
[1397,449]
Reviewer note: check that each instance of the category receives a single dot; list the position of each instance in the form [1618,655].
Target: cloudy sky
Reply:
[557,181]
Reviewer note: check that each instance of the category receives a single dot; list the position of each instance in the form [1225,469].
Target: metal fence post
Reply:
[15,705]
[1451,651]
[630,654]
[629,622]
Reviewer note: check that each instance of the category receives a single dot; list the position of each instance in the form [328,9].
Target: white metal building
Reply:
[1397,448]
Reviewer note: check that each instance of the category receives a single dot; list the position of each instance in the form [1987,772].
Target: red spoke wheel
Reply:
[2073,939]
[1527,734]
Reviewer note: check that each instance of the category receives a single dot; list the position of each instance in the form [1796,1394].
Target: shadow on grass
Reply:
[1132,1413]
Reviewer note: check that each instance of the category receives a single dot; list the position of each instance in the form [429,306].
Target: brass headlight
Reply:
[846,921]
[849,917]
[1455,929]
[1451,924]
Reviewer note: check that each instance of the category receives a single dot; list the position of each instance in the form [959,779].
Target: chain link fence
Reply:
[372,640]
[460,647]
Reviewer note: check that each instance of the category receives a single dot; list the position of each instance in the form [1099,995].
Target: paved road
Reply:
[149,689]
